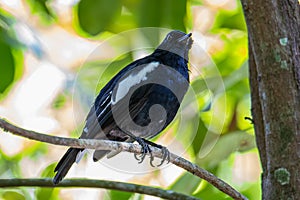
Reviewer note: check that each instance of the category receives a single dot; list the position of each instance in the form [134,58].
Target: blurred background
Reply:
[56,55]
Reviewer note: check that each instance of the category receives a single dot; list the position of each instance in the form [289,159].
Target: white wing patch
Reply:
[131,80]
[104,109]
[108,96]
[105,102]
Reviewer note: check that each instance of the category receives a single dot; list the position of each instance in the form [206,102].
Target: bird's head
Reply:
[177,42]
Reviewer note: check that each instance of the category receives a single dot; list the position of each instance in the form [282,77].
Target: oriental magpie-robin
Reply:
[137,103]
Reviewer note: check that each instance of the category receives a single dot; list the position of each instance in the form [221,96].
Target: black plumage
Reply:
[139,102]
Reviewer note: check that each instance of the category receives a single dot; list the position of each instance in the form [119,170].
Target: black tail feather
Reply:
[65,164]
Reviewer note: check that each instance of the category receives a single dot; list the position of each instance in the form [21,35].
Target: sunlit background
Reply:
[56,55]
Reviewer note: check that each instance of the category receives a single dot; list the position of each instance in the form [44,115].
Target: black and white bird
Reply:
[139,102]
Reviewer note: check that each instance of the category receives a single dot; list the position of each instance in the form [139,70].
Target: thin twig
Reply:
[123,146]
[90,183]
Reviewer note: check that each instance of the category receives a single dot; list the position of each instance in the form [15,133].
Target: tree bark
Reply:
[274,65]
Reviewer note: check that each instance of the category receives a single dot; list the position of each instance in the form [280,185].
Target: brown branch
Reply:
[90,183]
[123,146]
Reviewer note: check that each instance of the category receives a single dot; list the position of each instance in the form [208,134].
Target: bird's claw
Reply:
[145,144]
[166,156]
[145,149]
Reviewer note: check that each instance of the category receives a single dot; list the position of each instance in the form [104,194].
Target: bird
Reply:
[138,103]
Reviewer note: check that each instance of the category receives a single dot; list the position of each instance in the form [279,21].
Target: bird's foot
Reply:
[166,156]
[146,149]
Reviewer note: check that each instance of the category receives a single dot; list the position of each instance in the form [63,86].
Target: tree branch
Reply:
[90,183]
[123,146]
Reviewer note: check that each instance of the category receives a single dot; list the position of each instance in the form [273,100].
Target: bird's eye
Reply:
[169,37]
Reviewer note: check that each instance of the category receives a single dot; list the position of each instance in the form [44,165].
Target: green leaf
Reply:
[116,195]
[8,165]
[122,23]
[149,13]
[233,19]
[47,193]
[236,77]
[199,137]
[48,172]
[162,13]
[235,52]
[11,54]
[59,101]
[7,67]
[12,195]
[42,9]
[252,191]
[152,36]
[34,151]
[218,118]
[6,20]
[225,172]
[95,16]
[243,110]
[186,184]
[174,14]
[210,192]
[227,144]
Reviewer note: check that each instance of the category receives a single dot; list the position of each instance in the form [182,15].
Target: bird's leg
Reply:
[145,149]
[165,152]
[166,156]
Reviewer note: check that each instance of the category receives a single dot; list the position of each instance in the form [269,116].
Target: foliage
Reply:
[10,54]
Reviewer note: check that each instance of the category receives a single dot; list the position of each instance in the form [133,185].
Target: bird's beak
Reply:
[184,37]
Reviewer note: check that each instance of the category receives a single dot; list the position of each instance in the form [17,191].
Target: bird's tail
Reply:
[65,164]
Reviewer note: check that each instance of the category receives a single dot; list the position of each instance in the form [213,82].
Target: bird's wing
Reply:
[116,117]
[101,115]
[107,114]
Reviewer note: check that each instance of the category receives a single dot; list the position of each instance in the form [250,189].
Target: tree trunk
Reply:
[274,64]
